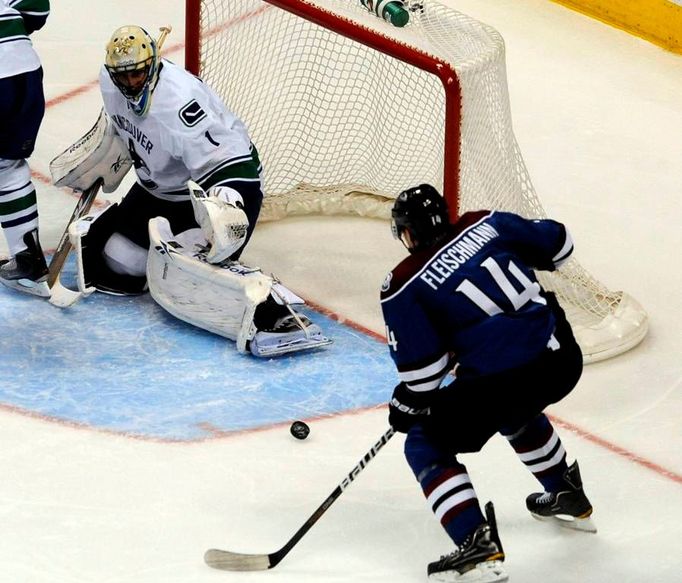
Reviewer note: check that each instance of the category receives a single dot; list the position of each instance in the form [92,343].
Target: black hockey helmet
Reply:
[419,217]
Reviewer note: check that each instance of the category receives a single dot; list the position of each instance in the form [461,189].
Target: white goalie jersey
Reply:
[187,134]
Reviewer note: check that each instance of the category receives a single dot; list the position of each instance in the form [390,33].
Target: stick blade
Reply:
[229,561]
[63,297]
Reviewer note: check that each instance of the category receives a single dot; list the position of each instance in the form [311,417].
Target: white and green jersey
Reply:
[187,133]
[18,19]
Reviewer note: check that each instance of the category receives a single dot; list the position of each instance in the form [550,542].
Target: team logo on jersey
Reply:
[387,282]
[192,113]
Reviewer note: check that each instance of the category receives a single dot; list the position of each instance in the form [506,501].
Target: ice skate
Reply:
[569,507]
[290,333]
[27,270]
[479,558]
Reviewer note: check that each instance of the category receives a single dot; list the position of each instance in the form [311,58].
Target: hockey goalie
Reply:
[180,229]
[190,274]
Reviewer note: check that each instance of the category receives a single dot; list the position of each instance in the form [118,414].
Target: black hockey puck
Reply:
[299,430]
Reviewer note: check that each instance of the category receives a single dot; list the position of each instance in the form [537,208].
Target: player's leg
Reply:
[537,443]
[539,447]
[22,106]
[451,495]
[114,243]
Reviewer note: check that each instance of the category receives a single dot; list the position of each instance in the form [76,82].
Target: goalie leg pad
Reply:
[89,236]
[230,299]
[219,298]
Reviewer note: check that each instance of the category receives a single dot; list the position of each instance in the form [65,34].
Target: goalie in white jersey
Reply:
[192,208]
[175,128]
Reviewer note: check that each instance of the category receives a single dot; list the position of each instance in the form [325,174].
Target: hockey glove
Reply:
[407,408]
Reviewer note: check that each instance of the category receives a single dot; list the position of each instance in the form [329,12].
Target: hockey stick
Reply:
[229,561]
[59,295]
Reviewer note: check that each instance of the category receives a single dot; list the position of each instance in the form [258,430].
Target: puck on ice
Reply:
[299,430]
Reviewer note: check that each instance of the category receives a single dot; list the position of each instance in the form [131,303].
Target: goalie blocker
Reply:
[230,299]
[99,155]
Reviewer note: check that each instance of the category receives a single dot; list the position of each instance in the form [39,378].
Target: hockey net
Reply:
[347,110]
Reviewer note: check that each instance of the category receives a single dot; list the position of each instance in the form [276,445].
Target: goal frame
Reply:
[410,55]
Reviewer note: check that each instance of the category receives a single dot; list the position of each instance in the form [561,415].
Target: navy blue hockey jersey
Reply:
[474,301]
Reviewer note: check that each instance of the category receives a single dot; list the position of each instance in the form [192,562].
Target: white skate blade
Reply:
[28,286]
[485,572]
[297,345]
[565,521]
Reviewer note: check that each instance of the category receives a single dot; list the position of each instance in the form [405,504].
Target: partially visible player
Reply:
[22,106]
[196,170]
[467,302]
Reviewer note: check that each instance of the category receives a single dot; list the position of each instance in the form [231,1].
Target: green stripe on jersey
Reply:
[12,27]
[32,6]
[248,170]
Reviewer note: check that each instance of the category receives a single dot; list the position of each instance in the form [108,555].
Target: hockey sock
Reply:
[538,446]
[18,203]
[446,485]
[452,498]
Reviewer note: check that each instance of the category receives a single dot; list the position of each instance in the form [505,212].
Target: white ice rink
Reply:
[598,116]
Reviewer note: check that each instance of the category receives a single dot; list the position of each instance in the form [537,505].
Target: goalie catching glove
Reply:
[220,214]
[408,407]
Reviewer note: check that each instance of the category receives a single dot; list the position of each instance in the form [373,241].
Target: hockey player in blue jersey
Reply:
[466,305]
[22,106]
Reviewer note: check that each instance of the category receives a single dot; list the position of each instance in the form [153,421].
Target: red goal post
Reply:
[347,110]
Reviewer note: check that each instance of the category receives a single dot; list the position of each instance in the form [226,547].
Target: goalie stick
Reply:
[59,295]
[229,561]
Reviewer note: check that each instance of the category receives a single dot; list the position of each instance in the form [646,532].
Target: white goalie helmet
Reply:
[132,61]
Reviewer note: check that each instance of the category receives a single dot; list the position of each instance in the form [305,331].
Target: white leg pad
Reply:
[77,230]
[219,298]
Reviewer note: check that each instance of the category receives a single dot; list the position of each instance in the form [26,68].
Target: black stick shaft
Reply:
[230,561]
[279,555]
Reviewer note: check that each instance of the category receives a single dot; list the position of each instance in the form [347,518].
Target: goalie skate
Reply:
[292,333]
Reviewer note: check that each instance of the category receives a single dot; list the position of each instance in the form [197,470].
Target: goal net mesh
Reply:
[346,111]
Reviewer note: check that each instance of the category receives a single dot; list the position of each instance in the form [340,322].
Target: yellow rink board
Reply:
[658,21]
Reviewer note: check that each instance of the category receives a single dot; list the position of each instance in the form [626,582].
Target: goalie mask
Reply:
[132,62]
[419,217]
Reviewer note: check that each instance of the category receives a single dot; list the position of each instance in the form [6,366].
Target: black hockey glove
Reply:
[407,408]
